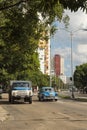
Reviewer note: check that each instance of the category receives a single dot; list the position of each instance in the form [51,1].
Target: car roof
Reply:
[47,87]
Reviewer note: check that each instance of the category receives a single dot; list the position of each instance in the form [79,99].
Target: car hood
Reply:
[49,93]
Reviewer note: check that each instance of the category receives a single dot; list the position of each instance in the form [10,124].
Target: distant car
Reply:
[47,93]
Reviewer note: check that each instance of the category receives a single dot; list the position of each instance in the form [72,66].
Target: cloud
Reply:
[82,48]
[77,19]
[64,52]
[78,58]
[82,53]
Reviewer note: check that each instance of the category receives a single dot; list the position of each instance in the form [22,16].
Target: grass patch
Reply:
[81,99]
[65,96]
[70,98]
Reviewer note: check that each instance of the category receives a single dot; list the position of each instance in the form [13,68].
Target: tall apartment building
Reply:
[58,65]
[44,56]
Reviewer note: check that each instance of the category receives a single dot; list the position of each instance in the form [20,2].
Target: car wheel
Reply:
[42,98]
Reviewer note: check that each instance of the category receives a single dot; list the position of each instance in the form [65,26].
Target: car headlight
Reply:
[14,93]
[30,93]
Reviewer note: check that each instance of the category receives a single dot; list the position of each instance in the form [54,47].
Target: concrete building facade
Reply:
[58,65]
[44,56]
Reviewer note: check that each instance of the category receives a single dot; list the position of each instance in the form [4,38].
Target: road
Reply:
[60,115]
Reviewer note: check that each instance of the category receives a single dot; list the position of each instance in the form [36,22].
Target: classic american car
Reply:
[47,93]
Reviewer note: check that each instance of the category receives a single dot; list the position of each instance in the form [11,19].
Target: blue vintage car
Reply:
[47,93]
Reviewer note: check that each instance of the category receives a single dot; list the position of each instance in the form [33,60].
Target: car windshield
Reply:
[21,84]
[48,89]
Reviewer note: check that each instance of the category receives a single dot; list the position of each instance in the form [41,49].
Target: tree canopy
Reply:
[73,5]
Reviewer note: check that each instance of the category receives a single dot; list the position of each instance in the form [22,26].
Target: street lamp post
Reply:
[71,38]
[71,34]
[50,68]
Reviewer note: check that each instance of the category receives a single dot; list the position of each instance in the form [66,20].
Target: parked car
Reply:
[47,93]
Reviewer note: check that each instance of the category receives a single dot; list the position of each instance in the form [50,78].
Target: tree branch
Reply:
[11,6]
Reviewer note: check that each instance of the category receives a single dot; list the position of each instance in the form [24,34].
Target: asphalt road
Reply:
[60,115]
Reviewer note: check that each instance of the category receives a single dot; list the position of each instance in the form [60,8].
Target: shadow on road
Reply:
[4,102]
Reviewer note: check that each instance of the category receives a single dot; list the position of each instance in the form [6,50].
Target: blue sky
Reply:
[61,41]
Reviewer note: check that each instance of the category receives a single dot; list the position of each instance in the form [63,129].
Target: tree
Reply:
[80,76]
[17,46]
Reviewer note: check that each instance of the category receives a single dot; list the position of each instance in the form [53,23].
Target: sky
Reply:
[61,41]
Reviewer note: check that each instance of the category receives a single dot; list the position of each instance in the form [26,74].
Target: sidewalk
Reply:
[78,96]
[3,114]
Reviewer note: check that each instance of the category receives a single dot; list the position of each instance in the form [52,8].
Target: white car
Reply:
[20,90]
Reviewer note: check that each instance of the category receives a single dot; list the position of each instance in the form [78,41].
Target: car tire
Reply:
[42,98]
